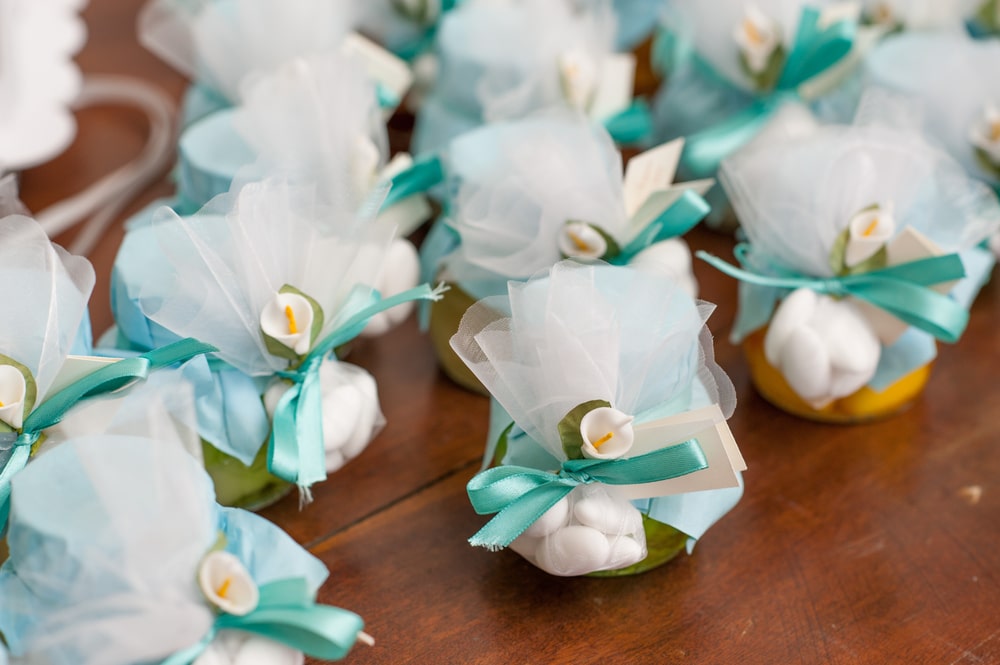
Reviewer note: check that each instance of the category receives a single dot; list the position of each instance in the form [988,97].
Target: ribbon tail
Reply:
[424,174]
[282,449]
[631,125]
[319,631]
[521,513]
[705,150]
[917,306]
[18,460]
[176,352]
[309,434]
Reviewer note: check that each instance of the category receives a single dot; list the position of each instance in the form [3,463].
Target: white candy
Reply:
[552,519]
[575,550]
[351,411]
[825,348]
[607,515]
[672,258]
[625,551]
[401,272]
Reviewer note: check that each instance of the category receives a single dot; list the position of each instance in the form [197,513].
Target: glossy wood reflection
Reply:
[865,544]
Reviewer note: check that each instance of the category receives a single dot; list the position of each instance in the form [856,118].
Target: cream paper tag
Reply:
[708,425]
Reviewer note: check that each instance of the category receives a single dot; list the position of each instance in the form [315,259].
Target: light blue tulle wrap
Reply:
[231,414]
[106,566]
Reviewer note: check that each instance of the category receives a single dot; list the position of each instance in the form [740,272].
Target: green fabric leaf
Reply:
[569,427]
[502,443]
[986,16]
[30,388]
[984,160]
[768,78]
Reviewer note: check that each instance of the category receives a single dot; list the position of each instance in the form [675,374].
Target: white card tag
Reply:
[614,87]
[380,65]
[708,425]
[908,245]
[76,368]
[659,201]
[648,172]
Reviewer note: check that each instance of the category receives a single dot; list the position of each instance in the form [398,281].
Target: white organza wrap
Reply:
[218,42]
[506,54]
[228,261]
[582,333]
[794,197]
[309,118]
[952,76]
[709,26]
[45,301]
[104,570]
[520,182]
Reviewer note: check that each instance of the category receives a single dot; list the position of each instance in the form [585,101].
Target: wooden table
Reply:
[866,544]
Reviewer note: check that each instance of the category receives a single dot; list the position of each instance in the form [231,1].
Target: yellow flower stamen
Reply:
[224,587]
[604,439]
[753,34]
[579,242]
[293,327]
[883,14]
[995,131]
[2,405]
[870,229]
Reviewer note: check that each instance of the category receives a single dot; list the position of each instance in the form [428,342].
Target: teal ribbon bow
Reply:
[287,613]
[296,452]
[520,495]
[814,51]
[105,380]
[900,290]
[422,175]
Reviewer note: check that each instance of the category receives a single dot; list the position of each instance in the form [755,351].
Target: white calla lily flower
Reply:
[607,433]
[869,231]
[758,37]
[579,75]
[288,318]
[985,134]
[12,391]
[580,240]
[227,584]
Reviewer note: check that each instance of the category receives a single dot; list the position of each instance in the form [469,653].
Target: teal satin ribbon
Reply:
[422,175]
[107,379]
[900,290]
[631,125]
[673,222]
[287,613]
[814,51]
[520,495]
[296,452]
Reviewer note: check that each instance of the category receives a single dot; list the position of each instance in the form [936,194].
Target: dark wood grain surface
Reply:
[866,544]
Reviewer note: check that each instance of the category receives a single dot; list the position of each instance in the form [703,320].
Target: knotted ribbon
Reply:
[520,495]
[107,379]
[901,290]
[296,452]
[287,613]
[814,52]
